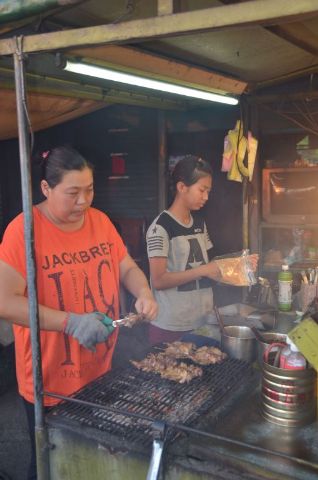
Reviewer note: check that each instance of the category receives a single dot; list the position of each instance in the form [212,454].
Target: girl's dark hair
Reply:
[189,170]
[60,160]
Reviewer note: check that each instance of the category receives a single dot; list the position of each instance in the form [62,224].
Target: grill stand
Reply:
[158,429]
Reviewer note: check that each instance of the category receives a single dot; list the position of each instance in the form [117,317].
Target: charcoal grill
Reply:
[119,409]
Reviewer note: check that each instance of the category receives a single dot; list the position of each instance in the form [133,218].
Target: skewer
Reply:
[218,317]
[128,320]
[304,277]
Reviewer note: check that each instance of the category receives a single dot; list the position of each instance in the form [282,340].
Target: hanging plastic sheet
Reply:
[252,144]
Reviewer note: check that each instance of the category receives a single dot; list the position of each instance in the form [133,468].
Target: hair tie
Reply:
[45,154]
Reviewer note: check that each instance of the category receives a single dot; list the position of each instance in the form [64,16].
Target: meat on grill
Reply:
[204,355]
[155,362]
[165,362]
[182,373]
[208,355]
[168,367]
[179,349]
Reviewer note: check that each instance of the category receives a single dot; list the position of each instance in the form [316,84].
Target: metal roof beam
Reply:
[254,12]
[141,63]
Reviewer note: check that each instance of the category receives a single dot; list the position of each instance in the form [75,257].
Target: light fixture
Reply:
[127,78]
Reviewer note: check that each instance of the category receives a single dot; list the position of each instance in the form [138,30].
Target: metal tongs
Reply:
[128,320]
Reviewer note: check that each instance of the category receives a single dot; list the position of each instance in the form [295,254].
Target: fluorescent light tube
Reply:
[127,78]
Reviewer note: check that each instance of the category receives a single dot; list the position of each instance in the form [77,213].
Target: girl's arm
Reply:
[136,282]
[161,279]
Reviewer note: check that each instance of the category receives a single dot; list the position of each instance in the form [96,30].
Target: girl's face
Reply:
[195,196]
[68,200]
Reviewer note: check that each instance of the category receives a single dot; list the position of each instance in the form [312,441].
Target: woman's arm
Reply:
[14,305]
[86,328]
[136,283]
[162,279]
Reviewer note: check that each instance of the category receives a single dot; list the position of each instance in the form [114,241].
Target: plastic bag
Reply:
[228,155]
[238,145]
[236,269]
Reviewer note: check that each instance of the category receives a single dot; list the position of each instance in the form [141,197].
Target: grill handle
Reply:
[158,429]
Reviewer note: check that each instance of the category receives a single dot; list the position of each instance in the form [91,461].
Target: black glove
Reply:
[89,328]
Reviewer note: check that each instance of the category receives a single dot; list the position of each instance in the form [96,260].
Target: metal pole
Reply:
[158,430]
[24,150]
[245,226]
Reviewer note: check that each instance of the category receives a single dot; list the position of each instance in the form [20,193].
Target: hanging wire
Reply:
[23,94]
[299,116]
[130,8]
[25,108]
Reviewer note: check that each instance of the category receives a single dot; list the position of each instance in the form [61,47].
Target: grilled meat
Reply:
[131,319]
[204,355]
[179,349]
[208,355]
[155,363]
[168,367]
[181,373]
[165,363]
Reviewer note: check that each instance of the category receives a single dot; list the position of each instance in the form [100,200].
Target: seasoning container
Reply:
[288,397]
[285,283]
[239,342]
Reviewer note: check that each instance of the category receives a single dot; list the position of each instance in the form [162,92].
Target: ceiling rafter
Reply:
[296,34]
[253,12]
[286,78]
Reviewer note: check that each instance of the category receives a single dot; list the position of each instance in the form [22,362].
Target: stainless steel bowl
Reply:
[239,342]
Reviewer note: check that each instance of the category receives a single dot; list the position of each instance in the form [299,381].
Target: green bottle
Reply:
[285,283]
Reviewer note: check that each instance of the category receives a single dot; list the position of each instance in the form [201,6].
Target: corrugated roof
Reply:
[230,46]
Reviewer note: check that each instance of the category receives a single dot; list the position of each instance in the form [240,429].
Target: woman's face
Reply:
[196,195]
[68,200]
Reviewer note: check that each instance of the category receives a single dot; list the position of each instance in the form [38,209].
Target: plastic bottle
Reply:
[284,354]
[291,358]
[285,282]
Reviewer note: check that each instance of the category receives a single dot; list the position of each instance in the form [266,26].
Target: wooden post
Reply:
[162,161]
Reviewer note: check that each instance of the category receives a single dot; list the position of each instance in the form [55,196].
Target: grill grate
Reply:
[147,394]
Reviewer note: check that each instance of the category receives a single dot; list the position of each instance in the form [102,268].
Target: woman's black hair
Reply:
[60,160]
[189,170]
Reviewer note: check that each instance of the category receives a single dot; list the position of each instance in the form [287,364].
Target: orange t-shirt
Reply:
[76,272]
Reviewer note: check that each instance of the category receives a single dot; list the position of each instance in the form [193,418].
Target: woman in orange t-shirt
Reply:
[80,262]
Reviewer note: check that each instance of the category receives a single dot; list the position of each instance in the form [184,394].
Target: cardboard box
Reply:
[305,337]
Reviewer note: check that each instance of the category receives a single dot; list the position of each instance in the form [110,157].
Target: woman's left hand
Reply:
[254,261]
[147,305]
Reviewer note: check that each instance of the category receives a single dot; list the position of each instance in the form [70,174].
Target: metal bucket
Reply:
[269,338]
[239,342]
[288,397]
